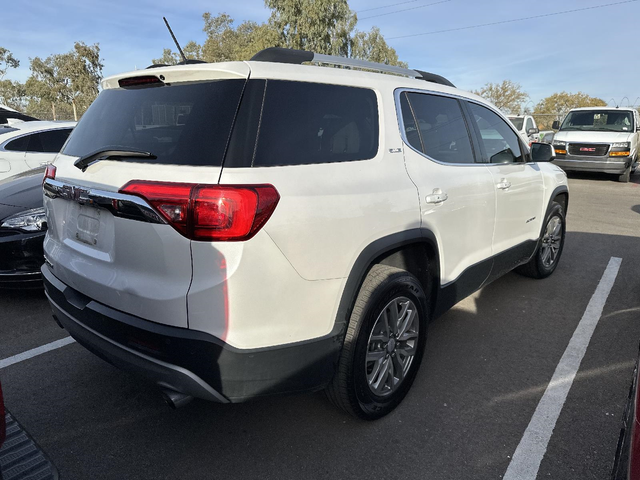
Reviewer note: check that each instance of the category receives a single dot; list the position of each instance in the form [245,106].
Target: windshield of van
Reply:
[517,122]
[186,124]
[599,120]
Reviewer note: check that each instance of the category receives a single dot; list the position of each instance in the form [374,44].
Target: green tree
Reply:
[7,61]
[372,46]
[556,106]
[507,96]
[321,26]
[71,78]
[12,94]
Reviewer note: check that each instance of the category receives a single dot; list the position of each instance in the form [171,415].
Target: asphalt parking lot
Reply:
[488,363]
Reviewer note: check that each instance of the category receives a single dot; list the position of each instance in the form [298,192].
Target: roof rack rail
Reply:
[298,57]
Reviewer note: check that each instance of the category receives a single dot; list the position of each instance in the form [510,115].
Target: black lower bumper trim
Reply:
[188,361]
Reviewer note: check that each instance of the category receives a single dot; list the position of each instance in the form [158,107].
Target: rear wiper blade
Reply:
[110,154]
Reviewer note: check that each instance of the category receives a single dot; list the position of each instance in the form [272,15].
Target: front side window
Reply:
[500,142]
[435,126]
[309,123]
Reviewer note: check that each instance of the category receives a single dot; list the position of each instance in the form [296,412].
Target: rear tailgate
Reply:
[113,247]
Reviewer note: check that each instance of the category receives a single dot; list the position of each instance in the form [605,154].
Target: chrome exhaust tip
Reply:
[175,399]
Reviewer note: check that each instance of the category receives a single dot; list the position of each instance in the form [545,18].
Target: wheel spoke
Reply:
[406,319]
[545,255]
[406,351]
[406,336]
[393,318]
[387,322]
[557,229]
[375,356]
[398,366]
[381,374]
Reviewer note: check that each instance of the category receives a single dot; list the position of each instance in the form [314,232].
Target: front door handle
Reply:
[437,197]
[504,184]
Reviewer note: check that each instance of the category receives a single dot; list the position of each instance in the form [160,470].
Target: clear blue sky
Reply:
[595,51]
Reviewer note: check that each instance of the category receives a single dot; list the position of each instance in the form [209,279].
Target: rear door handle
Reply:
[437,197]
[504,184]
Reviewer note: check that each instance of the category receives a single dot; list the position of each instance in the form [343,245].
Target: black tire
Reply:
[626,176]
[537,266]
[349,389]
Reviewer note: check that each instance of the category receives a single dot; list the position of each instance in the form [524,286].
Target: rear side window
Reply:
[309,123]
[435,126]
[181,124]
[48,142]
[18,145]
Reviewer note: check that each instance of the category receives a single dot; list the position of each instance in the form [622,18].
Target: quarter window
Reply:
[435,126]
[48,142]
[500,142]
[309,123]
[18,145]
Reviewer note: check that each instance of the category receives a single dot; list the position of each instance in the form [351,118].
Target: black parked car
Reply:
[22,229]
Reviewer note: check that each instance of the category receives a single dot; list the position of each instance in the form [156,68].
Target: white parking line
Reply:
[34,352]
[526,460]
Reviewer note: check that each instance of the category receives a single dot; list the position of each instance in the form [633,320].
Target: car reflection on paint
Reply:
[22,229]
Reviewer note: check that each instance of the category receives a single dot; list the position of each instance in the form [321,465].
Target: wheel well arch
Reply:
[414,250]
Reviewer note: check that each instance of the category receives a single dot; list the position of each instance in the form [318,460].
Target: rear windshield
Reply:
[181,124]
[599,120]
[517,122]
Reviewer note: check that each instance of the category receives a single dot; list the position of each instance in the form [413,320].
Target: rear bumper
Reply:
[20,259]
[593,165]
[187,361]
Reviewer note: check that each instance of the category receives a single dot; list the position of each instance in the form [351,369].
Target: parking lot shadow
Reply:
[486,365]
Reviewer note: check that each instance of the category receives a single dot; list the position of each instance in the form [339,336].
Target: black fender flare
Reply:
[559,190]
[366,259]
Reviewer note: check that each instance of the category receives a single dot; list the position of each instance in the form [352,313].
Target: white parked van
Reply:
[599,139]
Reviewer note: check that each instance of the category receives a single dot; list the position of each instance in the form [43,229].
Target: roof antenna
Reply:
[175,41]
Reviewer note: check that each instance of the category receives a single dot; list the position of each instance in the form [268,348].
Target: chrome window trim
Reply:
[399,91]
[119,204]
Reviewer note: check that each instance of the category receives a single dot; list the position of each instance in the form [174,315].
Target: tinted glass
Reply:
[49,142]
[438,128]
[307,123]
[186,124]
[18,145]
[500,142]
[408,121]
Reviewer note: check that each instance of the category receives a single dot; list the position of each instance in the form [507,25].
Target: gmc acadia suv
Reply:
[242,229]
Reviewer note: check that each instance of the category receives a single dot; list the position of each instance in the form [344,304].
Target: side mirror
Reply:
[556,125]
[542,152]
[533,131]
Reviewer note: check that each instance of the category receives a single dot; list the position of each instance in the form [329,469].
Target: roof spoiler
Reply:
[298,57]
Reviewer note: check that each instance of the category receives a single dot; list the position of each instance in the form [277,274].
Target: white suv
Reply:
[241,229]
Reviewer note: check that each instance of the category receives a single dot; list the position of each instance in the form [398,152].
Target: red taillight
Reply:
[142,81]
[49,172]
[209,212]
